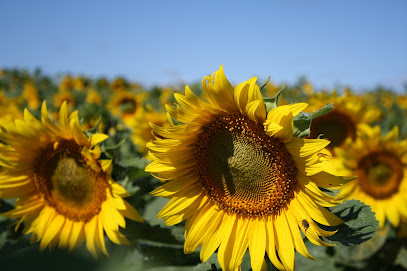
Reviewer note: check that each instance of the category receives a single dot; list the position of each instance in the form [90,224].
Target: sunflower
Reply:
[65,193]
[66,84]
[30,94]
[127,105]
[64,96]
[9,110]
[379,162]
[342,121]
[119,84]
[93,97]
[239,178]
[141,130]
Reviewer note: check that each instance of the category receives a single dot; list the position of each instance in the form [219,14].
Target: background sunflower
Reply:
[64,192]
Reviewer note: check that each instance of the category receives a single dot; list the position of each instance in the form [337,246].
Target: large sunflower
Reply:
[342,121]
[65,193]
[239,178]
[380,165]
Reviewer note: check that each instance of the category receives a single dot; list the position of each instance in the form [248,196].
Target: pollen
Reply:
[244,170]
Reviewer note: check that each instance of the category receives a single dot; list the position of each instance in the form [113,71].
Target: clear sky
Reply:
[333,43]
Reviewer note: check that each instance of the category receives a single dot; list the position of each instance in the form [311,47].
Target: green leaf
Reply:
[359,225]
[402,258]
[366,249]
[95,130]
[210,265]
[271,103]
[323,260]
[136,162]
[152,209]
[123,259]
[302,122]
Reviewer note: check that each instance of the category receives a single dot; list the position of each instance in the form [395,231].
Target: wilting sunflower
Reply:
[239,178]
[342,121]
[65,193]
[379,162]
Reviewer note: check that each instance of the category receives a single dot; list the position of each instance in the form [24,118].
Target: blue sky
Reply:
[332,43]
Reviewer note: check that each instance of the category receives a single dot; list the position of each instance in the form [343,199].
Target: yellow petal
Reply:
[256,110]
[218,91]
[90,233]
[240,243]
[298,241]
[257,243]
[63,115]
[213,242]
[318,213]
[177,204]
[279,112]
[131,213]
[52,230]
[101,235]
[306,147]
[77,235]
[78,135]
[65,234]
[285,242]
[271,243]
[97,138]
[195,231]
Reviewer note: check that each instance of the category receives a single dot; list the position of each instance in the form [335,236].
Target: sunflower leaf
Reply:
[210,265]
[302,122]
[324,260]
[354,254]
[272,102]
[402,258]
[359,225]
[94,130]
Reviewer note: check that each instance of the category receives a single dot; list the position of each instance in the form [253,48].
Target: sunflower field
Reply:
[99,174]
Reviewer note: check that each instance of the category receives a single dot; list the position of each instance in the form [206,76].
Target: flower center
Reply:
[335,125]
[380,174]
[244,170]
[67,183]
[127,105]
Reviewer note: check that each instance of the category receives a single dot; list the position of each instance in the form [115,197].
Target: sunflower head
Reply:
[93,97]
[30,94]
[342,121]
[64,97]
[379,163]
[141,130]
[127,105]
[119,84]
[66,84]
[9,111]
[239,177]
[65,192]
